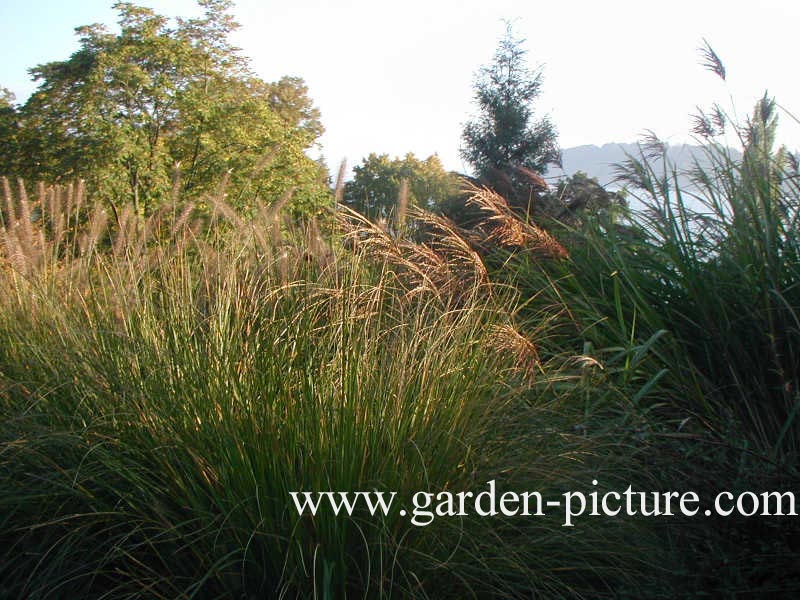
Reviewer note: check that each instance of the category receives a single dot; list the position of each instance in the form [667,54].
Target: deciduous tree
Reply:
[128,111]
[375,187]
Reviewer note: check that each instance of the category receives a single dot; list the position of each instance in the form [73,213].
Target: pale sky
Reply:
[396,77]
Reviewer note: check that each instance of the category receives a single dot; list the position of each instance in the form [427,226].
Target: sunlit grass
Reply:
[162,395]
[166,383]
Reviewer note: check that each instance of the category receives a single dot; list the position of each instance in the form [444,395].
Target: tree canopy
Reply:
[129,112]
[8,126]
[375,188]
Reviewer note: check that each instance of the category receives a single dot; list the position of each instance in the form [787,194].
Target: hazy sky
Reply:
[396,77]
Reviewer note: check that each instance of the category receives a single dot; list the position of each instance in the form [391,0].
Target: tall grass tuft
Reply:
[687,311]
[165,383]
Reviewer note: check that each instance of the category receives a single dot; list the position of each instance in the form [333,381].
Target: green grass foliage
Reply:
[165,383]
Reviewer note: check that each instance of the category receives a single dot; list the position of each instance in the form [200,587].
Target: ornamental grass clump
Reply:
[167,382]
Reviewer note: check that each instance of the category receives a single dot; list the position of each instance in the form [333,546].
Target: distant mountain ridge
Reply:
[599,161]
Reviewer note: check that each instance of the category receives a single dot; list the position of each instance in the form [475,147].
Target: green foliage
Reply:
[712,264]
[505,136]
[6,98]
[288,97]
[159,401]
[131,112]
[375,188]
[167,380]
[682,317]
[579,197]
[9,127]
